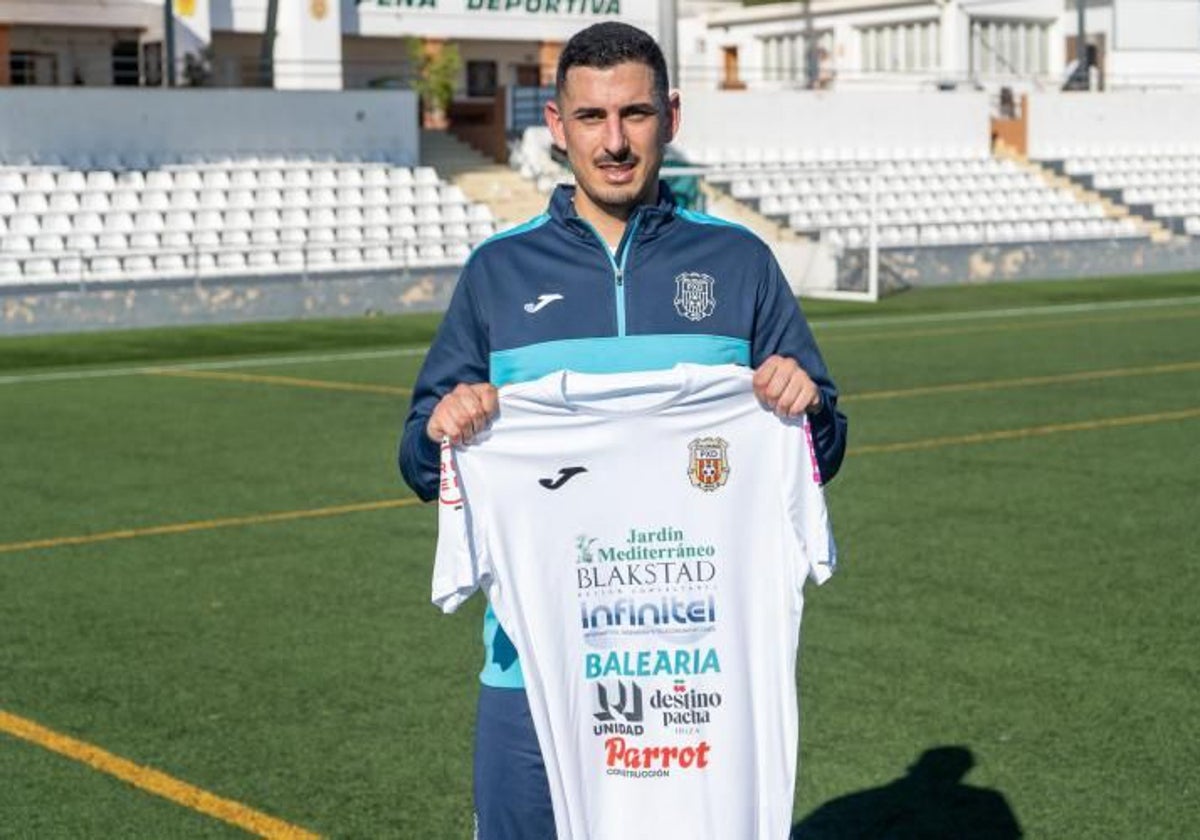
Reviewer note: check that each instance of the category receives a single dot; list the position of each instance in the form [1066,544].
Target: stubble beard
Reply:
[621,200]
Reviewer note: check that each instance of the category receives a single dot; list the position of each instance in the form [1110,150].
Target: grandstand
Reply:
[1155,181]
[885,157]
[123,220]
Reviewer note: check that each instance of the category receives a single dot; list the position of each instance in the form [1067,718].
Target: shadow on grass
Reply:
[930,802]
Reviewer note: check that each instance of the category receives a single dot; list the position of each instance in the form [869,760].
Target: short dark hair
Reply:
[608,44]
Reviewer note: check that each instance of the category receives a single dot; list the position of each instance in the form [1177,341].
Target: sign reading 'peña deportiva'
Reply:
[550,7]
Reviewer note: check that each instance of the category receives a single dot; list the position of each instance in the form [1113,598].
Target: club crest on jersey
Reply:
[694,297]
[708,466]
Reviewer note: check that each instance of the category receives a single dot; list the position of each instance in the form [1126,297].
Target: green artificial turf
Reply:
[1030,601]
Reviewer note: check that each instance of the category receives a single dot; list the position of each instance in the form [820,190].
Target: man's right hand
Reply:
[463,413]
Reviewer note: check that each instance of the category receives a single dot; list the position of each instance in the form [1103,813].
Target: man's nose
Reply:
[615,141]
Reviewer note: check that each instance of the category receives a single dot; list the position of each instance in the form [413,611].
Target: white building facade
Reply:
[319,44]
[926,44]
[875,44]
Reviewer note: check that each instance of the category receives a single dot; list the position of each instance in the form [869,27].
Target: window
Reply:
[785,57]
[901,48]
[126,70]
[481,78]
[1009,47]
[33,68]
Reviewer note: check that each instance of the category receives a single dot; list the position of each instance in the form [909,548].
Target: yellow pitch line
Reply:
[385,504]
[827,337]
[207,525]
[269,379]
[998,384]
[1031,431]
[152,781]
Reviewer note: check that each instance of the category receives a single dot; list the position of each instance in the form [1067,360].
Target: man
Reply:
[612,278]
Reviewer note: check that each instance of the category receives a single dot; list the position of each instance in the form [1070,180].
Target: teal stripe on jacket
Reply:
[615,354]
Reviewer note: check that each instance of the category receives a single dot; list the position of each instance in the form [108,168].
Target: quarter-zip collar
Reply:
[651,217]
[644,221]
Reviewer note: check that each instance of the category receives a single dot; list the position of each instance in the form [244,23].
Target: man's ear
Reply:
[554,121]
[673,117]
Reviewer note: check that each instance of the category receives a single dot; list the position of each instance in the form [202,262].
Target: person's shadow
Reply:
[929,803]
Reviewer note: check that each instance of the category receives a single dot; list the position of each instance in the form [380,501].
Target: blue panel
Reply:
[705,219]
[501,668]
[615,355]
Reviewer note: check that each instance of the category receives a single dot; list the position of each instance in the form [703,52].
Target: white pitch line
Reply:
[984,314]
[273,361]
[260,361]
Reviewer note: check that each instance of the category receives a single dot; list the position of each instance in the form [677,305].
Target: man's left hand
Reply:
[783,386]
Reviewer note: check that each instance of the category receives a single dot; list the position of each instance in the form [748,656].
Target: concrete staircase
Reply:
[724,206]
[807,264]
[512,198]
[1155,230]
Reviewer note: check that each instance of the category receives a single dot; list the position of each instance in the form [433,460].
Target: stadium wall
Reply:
[1111,119]
[150,304]
[946,265]
[846,120]
[78,124]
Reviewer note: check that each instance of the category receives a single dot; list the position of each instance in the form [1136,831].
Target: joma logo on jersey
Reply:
[708,465]
[694,298]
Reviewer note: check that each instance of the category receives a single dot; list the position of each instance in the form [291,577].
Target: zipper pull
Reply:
[620,276]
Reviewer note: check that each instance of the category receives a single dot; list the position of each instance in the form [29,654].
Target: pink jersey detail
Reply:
[812,453]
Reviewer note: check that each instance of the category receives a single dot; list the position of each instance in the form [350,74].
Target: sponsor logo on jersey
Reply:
[651,663]
[541,303]
[694,297]
[672,573]
[708,464]
[619,710]
[564,475]
[449,492]
[583,549]
[621,759]
[665,543]
[685,706]
[648,612]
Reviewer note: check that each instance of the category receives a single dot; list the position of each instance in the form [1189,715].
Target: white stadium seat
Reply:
[105,266]
[82,242]
[176,240]
[170,264]
[39,268]
[290,258]
[64,202]
[48,243]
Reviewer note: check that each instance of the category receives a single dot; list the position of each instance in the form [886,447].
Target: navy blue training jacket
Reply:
[550,295]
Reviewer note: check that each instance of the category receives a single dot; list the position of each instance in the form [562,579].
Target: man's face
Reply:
[614,131]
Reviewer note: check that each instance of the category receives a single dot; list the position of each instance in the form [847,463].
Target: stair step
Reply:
[512,199]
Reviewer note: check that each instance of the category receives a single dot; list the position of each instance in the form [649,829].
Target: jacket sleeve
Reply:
[459,353]
[781,329]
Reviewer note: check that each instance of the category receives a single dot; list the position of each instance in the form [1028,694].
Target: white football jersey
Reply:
[644,540]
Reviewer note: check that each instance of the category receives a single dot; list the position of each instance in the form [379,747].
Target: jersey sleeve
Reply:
[459,353]
[807,512]
[459,567]
[781,329]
